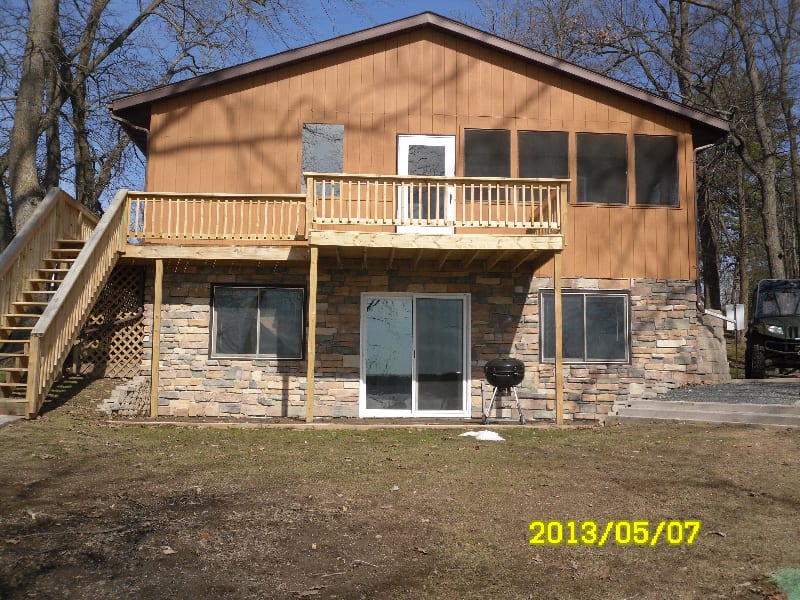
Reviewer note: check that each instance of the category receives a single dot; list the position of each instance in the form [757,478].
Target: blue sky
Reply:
[345,20]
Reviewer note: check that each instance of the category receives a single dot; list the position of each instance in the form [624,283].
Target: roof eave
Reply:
[136,108]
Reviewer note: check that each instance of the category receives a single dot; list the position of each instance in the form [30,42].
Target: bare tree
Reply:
[80,54]
[24,177]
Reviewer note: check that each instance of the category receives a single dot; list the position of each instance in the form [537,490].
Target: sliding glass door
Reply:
[414,355]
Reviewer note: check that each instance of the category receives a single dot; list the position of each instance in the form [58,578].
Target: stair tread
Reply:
[70,241]
[32,292]
[14,369]
[18,384]
[21,341]
[17,407]
[28,303]
[16,327]
[13,355]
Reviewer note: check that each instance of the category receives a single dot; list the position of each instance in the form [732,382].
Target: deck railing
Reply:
[58,217]
[535,206]
[461,202]
[185,218]
[55,331]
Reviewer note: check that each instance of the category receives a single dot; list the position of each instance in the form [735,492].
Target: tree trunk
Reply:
[767,168]
[743,263]
[6,226]
[26,191]
[708,247]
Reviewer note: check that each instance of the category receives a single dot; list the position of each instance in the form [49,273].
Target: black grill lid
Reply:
[504,372]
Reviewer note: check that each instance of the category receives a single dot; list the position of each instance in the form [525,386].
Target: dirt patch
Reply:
[89,510]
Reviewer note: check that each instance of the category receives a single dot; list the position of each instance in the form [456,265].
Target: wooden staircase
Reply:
[50,277]
[24,312]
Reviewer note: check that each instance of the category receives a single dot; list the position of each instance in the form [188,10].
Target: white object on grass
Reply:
[483,436]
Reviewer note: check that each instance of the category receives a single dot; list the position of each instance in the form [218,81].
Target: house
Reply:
[354,228]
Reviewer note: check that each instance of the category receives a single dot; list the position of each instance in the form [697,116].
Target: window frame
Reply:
[638,166]
[624,294]
[522,133]
[579,200]
[306,127]
[212,346]
[496,130]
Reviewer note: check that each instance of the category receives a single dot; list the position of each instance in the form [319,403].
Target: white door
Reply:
[433,155]
[414,355]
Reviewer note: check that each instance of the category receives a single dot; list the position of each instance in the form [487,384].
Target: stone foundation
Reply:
[670,345]
[131,399]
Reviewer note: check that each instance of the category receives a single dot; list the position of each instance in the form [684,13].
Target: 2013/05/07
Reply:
[623,533]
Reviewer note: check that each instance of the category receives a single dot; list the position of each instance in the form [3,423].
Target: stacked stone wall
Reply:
[670,345]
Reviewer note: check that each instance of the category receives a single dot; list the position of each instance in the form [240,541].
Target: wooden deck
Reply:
[384,216]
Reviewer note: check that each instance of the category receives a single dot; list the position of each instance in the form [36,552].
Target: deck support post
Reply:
[156,337]
[312,334]
[559,358]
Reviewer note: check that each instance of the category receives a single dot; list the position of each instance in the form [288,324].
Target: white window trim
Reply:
[466,382]
[404,142]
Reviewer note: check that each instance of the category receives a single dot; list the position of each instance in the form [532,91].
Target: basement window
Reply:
[595,328]
[656,170]
[602,168]
[258,322]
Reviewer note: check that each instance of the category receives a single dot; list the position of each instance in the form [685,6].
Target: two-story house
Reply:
[355,227]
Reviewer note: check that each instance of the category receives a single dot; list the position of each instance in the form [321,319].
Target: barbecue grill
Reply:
[504,374]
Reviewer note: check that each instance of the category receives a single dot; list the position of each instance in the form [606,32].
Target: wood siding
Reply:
[244,137]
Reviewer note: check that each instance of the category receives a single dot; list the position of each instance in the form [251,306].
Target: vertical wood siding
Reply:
[245,136]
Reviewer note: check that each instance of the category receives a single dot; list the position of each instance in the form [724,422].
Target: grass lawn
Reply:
[89,510]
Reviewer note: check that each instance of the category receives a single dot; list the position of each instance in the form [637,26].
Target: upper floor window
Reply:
[656,170]
[602,168]
[323,150]
[487,153]
[543,154]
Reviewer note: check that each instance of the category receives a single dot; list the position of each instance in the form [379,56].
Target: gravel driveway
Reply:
[742,391]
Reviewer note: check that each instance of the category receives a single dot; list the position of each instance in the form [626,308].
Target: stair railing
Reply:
[57,216]
[54,334]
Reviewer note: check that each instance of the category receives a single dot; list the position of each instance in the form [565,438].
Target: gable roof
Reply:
[134,111]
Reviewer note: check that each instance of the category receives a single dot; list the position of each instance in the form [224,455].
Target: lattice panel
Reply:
[111,341]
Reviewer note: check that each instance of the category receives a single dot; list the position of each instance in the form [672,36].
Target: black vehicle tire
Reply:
[755,366]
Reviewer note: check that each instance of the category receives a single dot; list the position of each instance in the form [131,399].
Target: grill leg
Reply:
[487,411]
[519,407]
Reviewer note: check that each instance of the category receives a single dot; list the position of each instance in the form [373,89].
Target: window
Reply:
[602,168]
[487,153]
[543,154]
[323,150]
[259,322]
[656,170]
[595,326]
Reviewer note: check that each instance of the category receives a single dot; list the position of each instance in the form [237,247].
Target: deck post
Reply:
[156,337]
[559,358]
[312,334]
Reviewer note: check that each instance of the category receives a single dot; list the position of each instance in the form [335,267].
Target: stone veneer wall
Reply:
[671,346]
